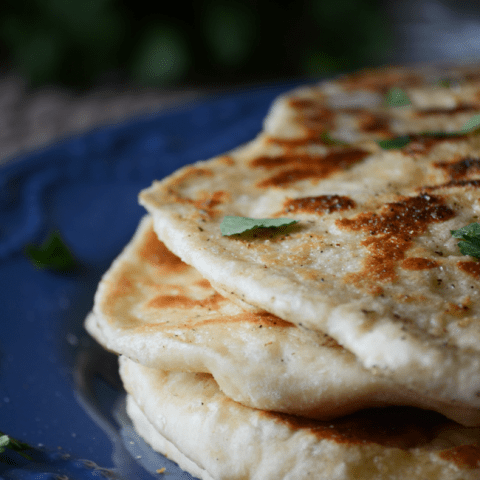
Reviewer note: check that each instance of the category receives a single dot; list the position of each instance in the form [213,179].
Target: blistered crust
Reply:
[384,277]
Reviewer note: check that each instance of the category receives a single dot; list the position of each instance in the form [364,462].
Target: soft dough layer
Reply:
[160,312]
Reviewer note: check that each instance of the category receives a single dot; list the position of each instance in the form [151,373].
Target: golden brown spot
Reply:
[156,253]
[471,77]
[318,118]
[204,283]
[459,309]
[314,117]
[192,172]
[227,160]
[313,114]
[472,268]
[270,320]
[465,456]
[207,203]
[374,290]
[462,108]
[303,166]
[182,301]
[391,232]
[417,263]
[400,427]
[122,287]
[461,168]
[172,301]
[375,123]
[319,205]
[381,80]
[317,121]
[304,103]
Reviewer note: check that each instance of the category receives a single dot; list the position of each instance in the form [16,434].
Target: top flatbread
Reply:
[155,309]
[352,108]
[371,262]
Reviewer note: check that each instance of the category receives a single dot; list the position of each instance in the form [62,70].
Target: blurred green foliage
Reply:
[230,31]
[86,43]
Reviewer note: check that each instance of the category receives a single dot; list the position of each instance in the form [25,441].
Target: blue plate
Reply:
[59,391]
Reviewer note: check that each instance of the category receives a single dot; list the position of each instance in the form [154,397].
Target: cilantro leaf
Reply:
[52,254]
[4,441]
[232,225]
[470,235]
[328,140]
[396,97]
[8,442]
[472,229]
[471,125]
[397,142]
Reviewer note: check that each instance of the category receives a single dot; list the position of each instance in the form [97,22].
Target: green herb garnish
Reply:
[472,125]
[445,82]
[471,239]
[52,254]
[397,142]
[396,97]
[328,140]
[441,134]
[232,225]
[8,442]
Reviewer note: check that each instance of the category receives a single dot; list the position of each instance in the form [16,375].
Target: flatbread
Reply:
[160,312]
[371,262]
[160,444]
[217,438]
[352,108]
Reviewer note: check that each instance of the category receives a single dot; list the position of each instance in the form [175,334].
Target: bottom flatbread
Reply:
[187,417]
[159,443]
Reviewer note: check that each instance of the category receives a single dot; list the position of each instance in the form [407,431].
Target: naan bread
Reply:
[160,312]
[371,262]
[188,417]
[160,444]
[352,108]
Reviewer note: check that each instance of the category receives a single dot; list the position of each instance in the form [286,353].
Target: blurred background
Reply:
[86,43]
[53,52]
[83,44]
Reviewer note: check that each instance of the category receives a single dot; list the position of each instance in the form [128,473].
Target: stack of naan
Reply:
[343,346]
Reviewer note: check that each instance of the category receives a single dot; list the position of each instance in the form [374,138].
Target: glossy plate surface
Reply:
[59,391]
